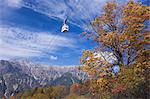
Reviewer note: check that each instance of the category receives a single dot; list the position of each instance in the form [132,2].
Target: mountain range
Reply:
[18,76]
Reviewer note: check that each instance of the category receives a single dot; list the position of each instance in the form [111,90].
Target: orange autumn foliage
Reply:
[121,31]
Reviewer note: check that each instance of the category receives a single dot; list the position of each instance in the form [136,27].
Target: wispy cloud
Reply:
[11,3]
[17,42]
[79,12]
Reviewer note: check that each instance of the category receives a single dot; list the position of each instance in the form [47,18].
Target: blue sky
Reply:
[30,29]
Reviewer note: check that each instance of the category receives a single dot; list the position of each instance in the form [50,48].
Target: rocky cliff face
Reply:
[18,76]
[13,79]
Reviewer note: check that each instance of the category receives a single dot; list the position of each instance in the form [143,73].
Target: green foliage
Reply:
[39,96]
[74,96]
[51,92]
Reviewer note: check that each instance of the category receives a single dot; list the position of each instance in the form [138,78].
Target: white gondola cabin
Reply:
[65,27]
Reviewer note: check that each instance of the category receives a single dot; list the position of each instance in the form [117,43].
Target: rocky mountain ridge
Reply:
[17,76]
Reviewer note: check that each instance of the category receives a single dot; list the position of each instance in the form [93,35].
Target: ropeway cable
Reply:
[51,43]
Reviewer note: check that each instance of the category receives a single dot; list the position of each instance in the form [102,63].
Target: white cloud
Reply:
[17,42]
[16,51]
[53,57]
[11,3]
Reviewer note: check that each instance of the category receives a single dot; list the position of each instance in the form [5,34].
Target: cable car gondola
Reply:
[65,27]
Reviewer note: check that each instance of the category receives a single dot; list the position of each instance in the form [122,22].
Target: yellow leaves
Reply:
[125,35]
[103,83]
[146,35]
[132,18]
[108,39]
[134,13]
[100,80]
[99,88]
[109,7]
[95,64]
[130,76]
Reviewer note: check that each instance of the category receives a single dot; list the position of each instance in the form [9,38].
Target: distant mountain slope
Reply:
[17,76]
[67,79]
[46,73]
[13,79]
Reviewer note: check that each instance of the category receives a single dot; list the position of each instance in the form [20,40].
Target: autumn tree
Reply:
[75,88]
[80,89]
[122,37]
